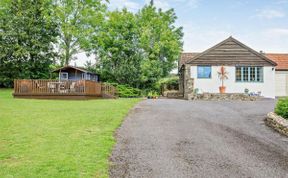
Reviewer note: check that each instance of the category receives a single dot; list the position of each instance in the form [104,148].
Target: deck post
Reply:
[85,86]
[59,75]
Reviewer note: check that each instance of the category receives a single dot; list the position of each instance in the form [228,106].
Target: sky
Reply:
[260,24]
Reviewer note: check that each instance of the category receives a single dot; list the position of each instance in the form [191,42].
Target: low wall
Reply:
[173,94]
[277,122]
[222,97]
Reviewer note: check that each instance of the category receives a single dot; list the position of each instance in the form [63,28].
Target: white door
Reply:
[281,82]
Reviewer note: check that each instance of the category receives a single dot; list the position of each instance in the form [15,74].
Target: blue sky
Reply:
[261,24]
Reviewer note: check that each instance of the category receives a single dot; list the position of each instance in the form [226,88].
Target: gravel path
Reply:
[178,138]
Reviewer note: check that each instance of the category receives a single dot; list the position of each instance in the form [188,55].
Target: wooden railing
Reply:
[108,90]
[56,87]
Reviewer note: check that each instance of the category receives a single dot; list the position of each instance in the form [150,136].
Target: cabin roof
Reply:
[82,69]
[280,59]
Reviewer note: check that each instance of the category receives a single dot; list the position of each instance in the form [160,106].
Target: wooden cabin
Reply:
[76,73]
[73,83]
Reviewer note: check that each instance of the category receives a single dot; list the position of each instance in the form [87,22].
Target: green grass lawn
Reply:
[53,138]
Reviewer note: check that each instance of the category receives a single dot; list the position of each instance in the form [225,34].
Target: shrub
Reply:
[153,94]
[282,108]
[126,91]
[169,83]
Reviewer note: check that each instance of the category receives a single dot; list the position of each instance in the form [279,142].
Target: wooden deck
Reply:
[55,89]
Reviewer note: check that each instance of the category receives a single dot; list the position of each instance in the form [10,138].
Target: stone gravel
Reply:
[178,138]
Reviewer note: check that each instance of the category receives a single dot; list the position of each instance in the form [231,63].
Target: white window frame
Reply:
[257,70]
[62,76]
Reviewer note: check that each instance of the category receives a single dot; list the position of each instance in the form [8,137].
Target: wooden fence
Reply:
[108,90]
[56,87]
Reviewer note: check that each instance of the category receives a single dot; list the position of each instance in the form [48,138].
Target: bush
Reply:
[126,91]
[282,108]
[169,83]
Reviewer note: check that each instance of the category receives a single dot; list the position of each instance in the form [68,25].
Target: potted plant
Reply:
[223,75]
[155,95]
[246,91]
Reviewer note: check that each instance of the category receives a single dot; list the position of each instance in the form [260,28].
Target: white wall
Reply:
[267,87]
[281,83]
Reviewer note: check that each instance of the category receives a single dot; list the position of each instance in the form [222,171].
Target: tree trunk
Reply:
[67,53]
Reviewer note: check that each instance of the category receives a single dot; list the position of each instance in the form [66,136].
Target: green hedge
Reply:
[126,91]
[282,108]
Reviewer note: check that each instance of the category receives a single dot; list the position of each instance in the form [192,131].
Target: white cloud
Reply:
[165,5]
[282,2]
[197,39]
[82,58]
[276,33]
[168,4]
[270,14]
[129,4]
[269,40]
[189,3]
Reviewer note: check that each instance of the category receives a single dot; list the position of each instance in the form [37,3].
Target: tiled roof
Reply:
[185,57]
[280,59]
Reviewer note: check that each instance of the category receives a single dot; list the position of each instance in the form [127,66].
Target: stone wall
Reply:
[173,94]
[277,122]
[222,97]
[188,82]
[181,81]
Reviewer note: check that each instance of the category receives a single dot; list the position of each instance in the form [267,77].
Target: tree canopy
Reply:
[138,49]
[27,34]
[77,21]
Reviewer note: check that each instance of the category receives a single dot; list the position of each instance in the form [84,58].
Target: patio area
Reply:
[57,89]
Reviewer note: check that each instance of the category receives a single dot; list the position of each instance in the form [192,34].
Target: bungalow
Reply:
[281,73]
[76,73]
[246,69]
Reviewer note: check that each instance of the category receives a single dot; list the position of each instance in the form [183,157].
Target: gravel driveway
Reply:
[178,138]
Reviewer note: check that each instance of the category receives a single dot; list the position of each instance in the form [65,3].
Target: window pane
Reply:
[249,74]
[64,76]
[245,74]
[252,74]
[204,71]
[259,74]
[238,74]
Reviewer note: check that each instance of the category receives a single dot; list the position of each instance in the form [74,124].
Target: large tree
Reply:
[138,49]
[27,33]
[77,20]
[161,40]
[118,49]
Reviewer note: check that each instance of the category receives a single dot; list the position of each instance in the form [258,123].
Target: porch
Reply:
[57,89]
